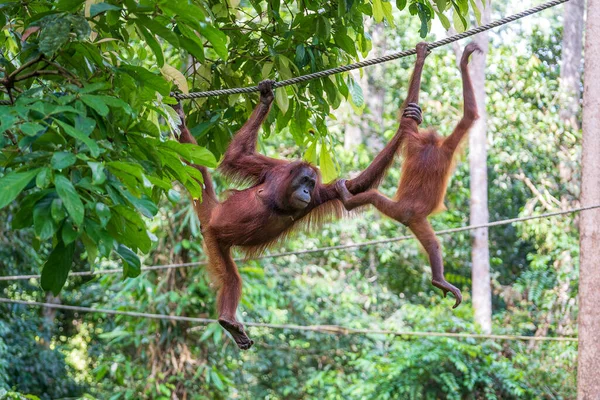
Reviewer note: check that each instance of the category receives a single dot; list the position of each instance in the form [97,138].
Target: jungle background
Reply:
[115,64]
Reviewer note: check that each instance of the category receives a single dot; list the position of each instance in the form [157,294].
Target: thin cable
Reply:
[378,60]
[332,329]
[317,250]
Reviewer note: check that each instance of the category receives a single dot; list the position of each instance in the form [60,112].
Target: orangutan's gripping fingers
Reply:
[422,50]
[342,190]
[266,91]
[414,112]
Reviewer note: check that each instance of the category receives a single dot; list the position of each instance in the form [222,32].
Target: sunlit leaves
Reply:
[87,138]
[281,98]
[356,93]
[326,164]
[175,76]
[216,38]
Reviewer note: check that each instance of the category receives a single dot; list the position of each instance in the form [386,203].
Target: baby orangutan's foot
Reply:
[446,287]
[237,332]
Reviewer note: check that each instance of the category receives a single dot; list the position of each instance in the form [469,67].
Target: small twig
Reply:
[66,72]
[24,67]
[36,73]
[12,137]
[521,176]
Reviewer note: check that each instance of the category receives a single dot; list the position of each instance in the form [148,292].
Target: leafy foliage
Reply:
[87,164]
[84,146]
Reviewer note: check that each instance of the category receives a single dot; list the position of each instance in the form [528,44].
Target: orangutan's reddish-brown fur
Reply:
[428,160]
[257,217]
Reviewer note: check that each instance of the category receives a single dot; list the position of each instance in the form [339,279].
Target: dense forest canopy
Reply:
[91,178]
[92,81]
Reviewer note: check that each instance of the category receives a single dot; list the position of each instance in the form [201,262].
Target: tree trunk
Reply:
[569,162]
[589,279]
[480,253]
[50,313]
[570,71]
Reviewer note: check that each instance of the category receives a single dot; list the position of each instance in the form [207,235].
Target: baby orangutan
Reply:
[428,160]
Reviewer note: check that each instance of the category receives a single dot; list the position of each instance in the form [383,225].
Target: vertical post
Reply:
[479,213]
[589,277]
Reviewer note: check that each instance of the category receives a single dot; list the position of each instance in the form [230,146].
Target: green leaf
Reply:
[159,29]
[98,175]
[31,128]
[70,198]
[44,225]
[327,166]
[323,28]
[153,43]
[282,100]
[128,167]
[69,234]
[79,26]
[90,248]
[192,47]
[445,21]
[131,261]
[345,43]
[173,195]
[441,5]
[77,134]
[144,204]
[57,267]
[53,35]
[191,152]
[190,13]
[96,103]
[57,210]
[43,178]
[401,4]
[476,11]
[377,11]
[13,183]
[311,153]
[147,78]
[356,93]
[128,228]
[103,213]
[387,12]
[217,38]
[62,160]
[99,8]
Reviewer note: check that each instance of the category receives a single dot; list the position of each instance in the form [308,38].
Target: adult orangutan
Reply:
[427,166]
[283,196]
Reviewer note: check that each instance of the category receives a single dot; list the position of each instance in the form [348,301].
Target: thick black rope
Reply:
[366,63]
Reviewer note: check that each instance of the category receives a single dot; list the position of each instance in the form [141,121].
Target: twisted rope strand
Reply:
[332,329]
[320,249]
